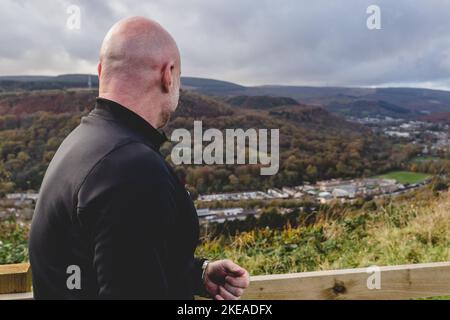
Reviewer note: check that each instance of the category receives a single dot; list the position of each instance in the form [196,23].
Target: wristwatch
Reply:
[204,266]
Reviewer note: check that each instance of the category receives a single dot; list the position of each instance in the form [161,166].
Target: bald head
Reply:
[140,69]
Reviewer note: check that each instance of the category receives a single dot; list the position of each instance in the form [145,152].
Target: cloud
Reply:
[251,42]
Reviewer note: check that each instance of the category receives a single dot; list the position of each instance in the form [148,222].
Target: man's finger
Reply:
[226,295]
[240,282]
[218,297]
[233,268]
[237,292]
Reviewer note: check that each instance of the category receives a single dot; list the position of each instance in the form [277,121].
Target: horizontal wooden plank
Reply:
[15,278]
[17,296]
[14,268]
[396,282]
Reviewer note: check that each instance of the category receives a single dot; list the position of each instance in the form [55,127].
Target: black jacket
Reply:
[110,205]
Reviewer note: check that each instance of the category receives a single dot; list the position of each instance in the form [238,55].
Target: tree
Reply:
[5,184]
[311,172]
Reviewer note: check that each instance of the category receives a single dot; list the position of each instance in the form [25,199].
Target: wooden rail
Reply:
[392,282]
[15,281]
[395,282]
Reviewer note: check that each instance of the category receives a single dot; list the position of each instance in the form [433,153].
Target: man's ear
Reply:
[167,76]
[99,69]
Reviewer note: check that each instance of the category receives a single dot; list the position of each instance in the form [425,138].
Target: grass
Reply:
[405,177]
[394,234]
[13,242]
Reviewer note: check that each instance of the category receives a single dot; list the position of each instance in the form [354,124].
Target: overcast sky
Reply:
[251,42]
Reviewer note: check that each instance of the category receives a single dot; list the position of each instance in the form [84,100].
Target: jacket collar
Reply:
[127,117]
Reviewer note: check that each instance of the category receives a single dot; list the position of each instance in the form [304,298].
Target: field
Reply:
[405,177]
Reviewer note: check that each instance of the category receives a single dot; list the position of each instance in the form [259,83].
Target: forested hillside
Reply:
[314,144]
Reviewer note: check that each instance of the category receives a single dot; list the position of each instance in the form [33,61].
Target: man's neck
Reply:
[142,108]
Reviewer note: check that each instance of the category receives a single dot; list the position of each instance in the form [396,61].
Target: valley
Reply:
[341,158]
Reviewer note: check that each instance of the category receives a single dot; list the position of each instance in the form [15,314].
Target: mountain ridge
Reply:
[410,103]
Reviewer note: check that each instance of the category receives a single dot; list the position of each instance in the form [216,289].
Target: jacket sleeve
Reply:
[123,205]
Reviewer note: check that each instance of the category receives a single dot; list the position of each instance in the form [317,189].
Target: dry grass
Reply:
[395,234]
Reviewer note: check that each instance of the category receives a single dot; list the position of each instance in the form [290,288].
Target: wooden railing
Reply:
[392,282]
[15,281]
[395,282]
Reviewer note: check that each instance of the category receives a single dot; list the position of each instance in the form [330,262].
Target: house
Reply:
[325,196]
[277,193]
[222,215]
[289,191]
[344,191]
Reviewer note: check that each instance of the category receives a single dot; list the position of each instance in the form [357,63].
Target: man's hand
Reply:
[225,280]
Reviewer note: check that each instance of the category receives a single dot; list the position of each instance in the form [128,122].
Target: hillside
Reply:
[260,102]
[210,85]
[69,101]
[26,83]
[407,103]
[317,118]
[411,230]
[442,117]
[369,108]
[314,144]
[344,106]
[393,102]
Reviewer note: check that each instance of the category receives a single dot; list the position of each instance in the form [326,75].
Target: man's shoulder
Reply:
[137,153]
[97,139]
[132,158]
[131,168]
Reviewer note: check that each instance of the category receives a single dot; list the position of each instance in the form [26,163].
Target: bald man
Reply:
[112,220]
